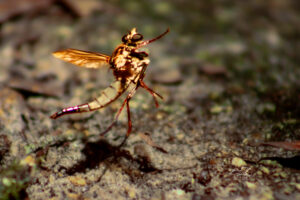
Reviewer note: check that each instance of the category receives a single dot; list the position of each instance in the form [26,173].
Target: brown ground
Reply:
[229,74]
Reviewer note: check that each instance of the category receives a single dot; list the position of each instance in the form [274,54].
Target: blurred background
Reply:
[228,71]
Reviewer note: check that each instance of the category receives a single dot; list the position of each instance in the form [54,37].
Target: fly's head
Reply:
[133,38]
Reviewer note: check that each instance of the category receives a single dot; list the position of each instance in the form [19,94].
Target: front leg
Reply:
[141,55]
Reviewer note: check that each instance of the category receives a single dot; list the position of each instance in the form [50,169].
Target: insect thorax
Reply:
[128,64]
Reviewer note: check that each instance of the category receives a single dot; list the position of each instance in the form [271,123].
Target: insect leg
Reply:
[70,110]
[153,93]
[119,112]
[128,118]
[116,118]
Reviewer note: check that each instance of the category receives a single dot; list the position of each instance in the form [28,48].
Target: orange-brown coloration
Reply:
[82,58]
[128,65]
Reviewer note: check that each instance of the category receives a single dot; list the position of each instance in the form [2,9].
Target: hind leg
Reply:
[126,101]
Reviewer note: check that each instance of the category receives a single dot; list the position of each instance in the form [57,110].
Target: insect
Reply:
[128,65]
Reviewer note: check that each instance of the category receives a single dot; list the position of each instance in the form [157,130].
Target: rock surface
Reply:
[228,72]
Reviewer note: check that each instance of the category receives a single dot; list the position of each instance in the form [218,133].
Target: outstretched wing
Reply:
[83,58]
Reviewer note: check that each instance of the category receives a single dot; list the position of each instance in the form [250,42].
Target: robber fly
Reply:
[128,66]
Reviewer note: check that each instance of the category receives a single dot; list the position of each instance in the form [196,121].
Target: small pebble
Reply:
[238,162]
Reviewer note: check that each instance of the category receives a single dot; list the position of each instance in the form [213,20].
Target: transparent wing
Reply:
[83,58]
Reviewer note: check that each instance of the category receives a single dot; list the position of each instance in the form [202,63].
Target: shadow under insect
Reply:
[102,152]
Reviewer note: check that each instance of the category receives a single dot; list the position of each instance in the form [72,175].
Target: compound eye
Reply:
[137,37]
[124,39]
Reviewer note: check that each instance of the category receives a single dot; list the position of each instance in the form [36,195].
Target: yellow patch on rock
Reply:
[75,180]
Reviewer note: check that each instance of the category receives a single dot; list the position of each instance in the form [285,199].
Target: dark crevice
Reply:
[292,162]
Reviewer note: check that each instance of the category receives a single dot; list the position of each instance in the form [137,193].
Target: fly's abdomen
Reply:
[71,110]
[107,96]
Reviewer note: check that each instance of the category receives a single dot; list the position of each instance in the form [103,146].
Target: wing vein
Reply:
[81,58]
